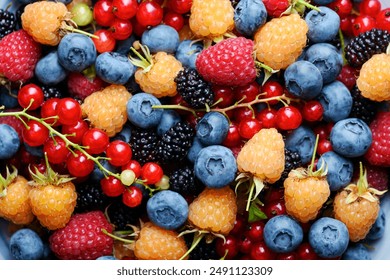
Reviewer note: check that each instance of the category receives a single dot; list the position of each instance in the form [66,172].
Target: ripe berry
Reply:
[82,14]
[243,113]
[348,76]
[56,150]
[233,137]
[223,95]
[180,6]
[151,173]
[134,166]
[227,248]
[239,225]
[35,134]
[272,89]
[68,111]
[30,96]
[370,7]
[362,24]
[274,208]
[75,132]
[174,20]
[267,117]
[287,256]
[324,145]
[342,7]
[249,127]
[247,93]
[306,252]
[312,111]
[79,165]
[112,186]
[95,140]
[149,13]
[48,111]
[121,29]
[132,196]
[124,9]
[255,231]
[119,153]
[245,244]
[383,20]
[288,117]
[102,13]
[106,41]
[260,251]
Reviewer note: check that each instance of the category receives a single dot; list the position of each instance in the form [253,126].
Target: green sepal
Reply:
[254,213]
[9,177]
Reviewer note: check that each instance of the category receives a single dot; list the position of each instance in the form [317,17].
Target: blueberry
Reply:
[328,237]
[35,151]
[161,38]
[377,230]
[97,174]
[249,15]
[303,79]
[167,209]
[194,149]
[187,52]
[168,119]
[124,134]
[76,52]
[8,99]
[327,59]
[123,46]
[215,166]
[140,111]
[106,258]
[25,244]
[351,137]
[282,234]
[9,141]
[356,251]
[49,71]
[323,25]
[322,2]
[114,68]
[302,141]
[340,170]
[212,128]
[336,101]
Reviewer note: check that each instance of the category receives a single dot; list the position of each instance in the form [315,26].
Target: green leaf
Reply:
[255,214]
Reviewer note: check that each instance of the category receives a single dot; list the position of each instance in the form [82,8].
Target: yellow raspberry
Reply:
[374,78]
[280,41]
[211,18]
[155,243]
[159,79]
[14,199]
[106,109]
[214,210]
[42,20]
[185,33]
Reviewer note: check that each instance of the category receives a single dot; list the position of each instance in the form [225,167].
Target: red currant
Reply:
[321,131]
[119,153]
[124,9]
[248,128]
[260,251]
[342,7]
[138,28]
[133,165]
[306,252]
[324,146]
[106,41]
[272,89]
[362,24]
[68,111]
[30,96]
[102,13]
[49,113]
[274,208]
[233,137]
[243,113]
[180,6]
[132,196]
[239,225]
[149,13]
[79,165]
[223,95]
[121,29]
[288,118]
[273,194]
[287,256]
[35,134]
[75,132]
[245,244]
[383,19]
[151,173]
[267,117]
[174,20]
[56,150]
[227,248]
[312,111]
[348,76]
[112,186]
[256,231]
[346,24]
[247,93]
[95,140]
[370,7]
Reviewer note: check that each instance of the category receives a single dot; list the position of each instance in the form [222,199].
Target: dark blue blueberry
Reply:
[249,15]
[114,68]
[282,234]
[97,174]
[49,71]
[140,111]
[357,251]
[76,52]
[187,52]
[302,141]
[106,258]
[124,134]
[215,166]
[35,151]
[328,237]
[323,25]
[167,209]
[7,99]
[161,38]
[169,118]
[9,141]
[377,230]
[25,244]
[212,128]
[194,149]
[123,46]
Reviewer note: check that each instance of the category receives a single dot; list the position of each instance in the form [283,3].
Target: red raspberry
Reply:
[81,86]
[19,54]
[275,8]
[82,238]
[379,152]
[229,62]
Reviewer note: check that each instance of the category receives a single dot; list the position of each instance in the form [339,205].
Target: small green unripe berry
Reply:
[127,177]
[163,183]
[82,14]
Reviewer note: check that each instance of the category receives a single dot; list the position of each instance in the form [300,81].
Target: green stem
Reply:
[342,42]
[72,29]
[313,156]
[117,237]
[248,203]
[310,6]
[197,238]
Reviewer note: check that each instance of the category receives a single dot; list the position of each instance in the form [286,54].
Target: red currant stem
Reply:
[62,136]
[164,4]
[76,30]
[308,5]
[355,12]
[217,102]
[342,42]
[198,236]
[113,236]
[313,156]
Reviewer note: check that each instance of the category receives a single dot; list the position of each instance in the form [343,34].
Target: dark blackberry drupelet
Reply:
[234,2]
[292,161]
[175,143]
[90,197]
[194,90]
[122,216]
[202,251]
[362,108]
[143,143]
[363,47]
[51,92]
[184,182]
[7,22]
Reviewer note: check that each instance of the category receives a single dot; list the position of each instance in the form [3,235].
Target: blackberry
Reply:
[175,143]
[51,92]
[365,45]
[194,90]
[183,181]
[122,216]
[202,251]
[234,2]
[90,197]
[362,108]
[143,143]
[7,22]
[292,161]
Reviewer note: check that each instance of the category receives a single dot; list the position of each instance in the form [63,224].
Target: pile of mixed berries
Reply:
[194,129]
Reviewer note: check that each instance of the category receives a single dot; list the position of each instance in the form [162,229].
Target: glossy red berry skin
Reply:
[112,186]
[287,256]
[30,96]
[102,13]
[239,225]
[324,146]
[149,13]
[124,9]
[68,111]
[243,113]
[288,118]
[274,208]
[306,252]
[272,89]
[95,140]
[106,41]
[228,249]
[180,6]
[383,19]
[49,113]
[35,134]
[312,111]
[223,95]
[174,20]
[255,231]
[267,117]
[133,165]
[121,29]
[79,165]
[119,153]
[260,251]
[233,137]
[75,132]
[248,128]
[247,93]
[370,7]
[151,173]
[245,244]
[362,24]
[348,76]
[56,150]
[342,7]
[132,196]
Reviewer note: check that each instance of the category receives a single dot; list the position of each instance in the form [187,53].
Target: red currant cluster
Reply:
[121,18]
[368,15]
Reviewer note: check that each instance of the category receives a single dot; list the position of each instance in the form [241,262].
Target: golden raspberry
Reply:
[374,78]
[155,243]
[159,80]
[263,155]
[106,109]
[53,205]
[214,210]
[42,20]
[15,204]
[280,41]
[304,196]
[185,33]
[211,18]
